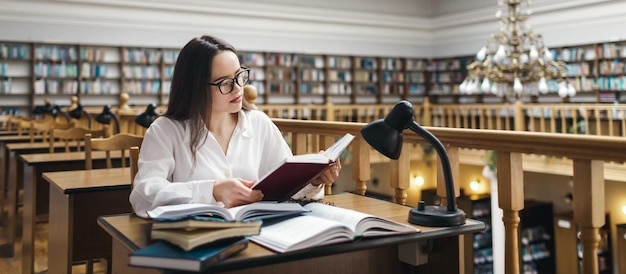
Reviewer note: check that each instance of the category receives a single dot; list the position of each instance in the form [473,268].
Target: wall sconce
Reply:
[418,181]
[624,209]
[475,185]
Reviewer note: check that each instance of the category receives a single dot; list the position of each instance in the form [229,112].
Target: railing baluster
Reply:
[399,173]
[589,208]
[511,200]
[361,164]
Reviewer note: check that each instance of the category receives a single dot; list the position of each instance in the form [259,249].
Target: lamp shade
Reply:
[105,116]
[145,119]
[77,112]
[385,135]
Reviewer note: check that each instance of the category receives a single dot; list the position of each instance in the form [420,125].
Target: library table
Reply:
[4,154]
[77,198]
[11,170]
[367,255]
[37,190]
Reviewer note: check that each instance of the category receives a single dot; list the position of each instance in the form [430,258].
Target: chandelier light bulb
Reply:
[547,54]
[533,54]
[482,53]
[543,85]
[562,90]
[486,85]
[500,54]
[571,91]
[517,86]
[463,87]
[494,89]
[523,59]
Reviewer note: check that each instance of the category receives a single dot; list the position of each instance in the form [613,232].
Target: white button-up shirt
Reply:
[168,175]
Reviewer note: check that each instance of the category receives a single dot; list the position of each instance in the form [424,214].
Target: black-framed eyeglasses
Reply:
[226,85]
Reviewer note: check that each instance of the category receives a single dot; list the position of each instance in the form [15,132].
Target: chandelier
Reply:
[515,62]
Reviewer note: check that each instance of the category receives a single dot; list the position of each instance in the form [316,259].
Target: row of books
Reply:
[14,51]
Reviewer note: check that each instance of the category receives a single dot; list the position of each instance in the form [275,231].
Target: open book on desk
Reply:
[298,170]
[249,212]
[324,225]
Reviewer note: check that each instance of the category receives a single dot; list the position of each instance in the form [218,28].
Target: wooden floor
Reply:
[14,265]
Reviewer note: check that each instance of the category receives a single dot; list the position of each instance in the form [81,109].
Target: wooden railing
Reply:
[596,119]
[587,152]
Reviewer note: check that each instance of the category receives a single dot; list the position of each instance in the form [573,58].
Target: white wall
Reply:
[410,28]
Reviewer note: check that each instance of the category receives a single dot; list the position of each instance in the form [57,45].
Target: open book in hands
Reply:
[324,225]
[297,171]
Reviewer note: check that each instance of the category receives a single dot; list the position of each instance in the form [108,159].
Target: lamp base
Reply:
[436,216]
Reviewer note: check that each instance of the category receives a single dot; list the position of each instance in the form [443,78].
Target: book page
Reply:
[334,151]
[362,224]
[185,210]
[301,232]
[265,209]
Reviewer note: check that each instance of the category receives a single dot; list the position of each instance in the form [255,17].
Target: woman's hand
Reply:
[328,176]
[235,192]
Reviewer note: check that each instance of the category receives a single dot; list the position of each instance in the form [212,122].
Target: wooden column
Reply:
[520,117]
[511,200]
[426,114]
[360,164]
[326,141]
[589,208]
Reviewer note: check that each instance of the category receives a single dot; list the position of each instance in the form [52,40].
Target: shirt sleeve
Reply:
[153,185]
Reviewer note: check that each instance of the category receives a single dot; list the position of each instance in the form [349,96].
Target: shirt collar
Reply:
[244,125]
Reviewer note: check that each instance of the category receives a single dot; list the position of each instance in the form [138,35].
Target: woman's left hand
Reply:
[329,176]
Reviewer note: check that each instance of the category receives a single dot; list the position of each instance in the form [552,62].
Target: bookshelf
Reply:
[31,72]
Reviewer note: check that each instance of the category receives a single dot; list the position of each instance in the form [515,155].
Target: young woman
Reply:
[207,148]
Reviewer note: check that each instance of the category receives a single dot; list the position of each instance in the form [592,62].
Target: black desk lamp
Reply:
[385,135]
[78,112]
[105,118]
[145,119]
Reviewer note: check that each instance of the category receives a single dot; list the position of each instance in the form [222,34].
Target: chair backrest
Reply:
[134,168]
[74,134]
[42,128]
[120,142]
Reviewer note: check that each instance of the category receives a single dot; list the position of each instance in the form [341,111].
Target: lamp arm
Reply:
[117,122]
[443,157]
[88,117]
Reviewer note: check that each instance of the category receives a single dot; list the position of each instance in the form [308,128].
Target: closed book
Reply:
[192,234]
[295,172]
[163,255]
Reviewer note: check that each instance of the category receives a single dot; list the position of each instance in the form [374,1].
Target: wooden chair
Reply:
[119,142]
[74,134]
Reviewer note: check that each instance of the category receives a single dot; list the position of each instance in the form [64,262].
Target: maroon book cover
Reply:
[288,179]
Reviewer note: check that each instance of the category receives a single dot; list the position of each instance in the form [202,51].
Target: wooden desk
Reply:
[10,170]
[4,154]
[77,198]
[373,255]
[37,191]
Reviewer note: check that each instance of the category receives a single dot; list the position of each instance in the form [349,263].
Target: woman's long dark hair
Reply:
[190,98]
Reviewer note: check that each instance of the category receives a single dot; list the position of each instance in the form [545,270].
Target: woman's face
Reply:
[226,67]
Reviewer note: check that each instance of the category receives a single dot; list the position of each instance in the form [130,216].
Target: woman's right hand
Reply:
[235,192]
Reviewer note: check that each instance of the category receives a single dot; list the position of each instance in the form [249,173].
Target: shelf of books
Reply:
[15,77]
[311,78]
[31,72]
[366,77]
[340,78]
[415,85]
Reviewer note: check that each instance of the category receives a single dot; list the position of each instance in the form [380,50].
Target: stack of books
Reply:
[192,237]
